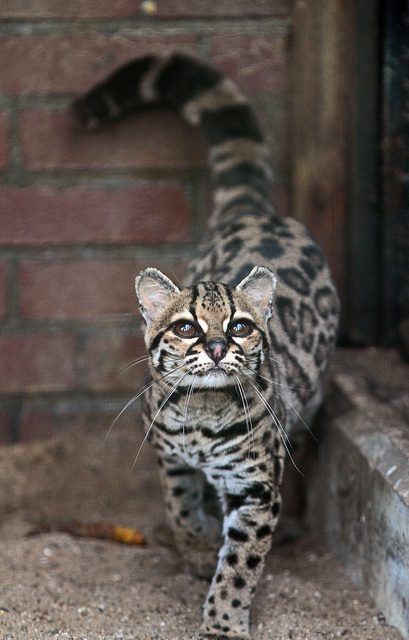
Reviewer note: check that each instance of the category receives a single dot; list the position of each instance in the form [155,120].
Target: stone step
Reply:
[359,491]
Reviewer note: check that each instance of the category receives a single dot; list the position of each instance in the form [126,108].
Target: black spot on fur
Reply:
[287,315]
[308,322]
[325,302]
[232,559]
[295,279]
[233,501]
[321,350]
[180,471]
[297,378]
[235,603]
[237,534]
[260,492]
[277,467]
[253,561]
[229,229]
[239,582]
[263,531]
[212,613]
[275,509]
[269,248]
[308,268]
[315,255]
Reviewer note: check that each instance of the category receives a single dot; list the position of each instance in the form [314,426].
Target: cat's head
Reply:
[209,333]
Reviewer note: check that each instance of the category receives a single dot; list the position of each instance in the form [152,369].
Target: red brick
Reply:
[256,62]
[39,423]
[142,215]
[3,289]
[4,145]
[59,63]
[32,9]
[81,289]
[50,140]
[211,9]
[84,290]
[37,362]
[103,359]
[163,8]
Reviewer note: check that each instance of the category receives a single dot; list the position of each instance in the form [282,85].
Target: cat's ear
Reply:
[260,286]
[153,290]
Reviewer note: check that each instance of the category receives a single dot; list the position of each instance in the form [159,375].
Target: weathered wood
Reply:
[394,290]
[320,127]
[334,129]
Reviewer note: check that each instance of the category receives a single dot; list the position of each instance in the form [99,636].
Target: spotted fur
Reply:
[238,355]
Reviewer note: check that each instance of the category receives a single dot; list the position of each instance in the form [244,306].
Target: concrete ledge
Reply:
[359,492]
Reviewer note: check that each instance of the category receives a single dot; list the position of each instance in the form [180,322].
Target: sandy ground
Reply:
[56,586]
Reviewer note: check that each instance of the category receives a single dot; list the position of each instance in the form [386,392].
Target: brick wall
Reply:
[81,214]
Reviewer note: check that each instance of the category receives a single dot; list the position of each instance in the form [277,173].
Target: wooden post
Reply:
[329,173]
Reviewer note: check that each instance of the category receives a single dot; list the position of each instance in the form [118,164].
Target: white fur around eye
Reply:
[203,325]
[244,315]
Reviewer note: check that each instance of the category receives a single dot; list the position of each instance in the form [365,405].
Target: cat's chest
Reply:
[197,436]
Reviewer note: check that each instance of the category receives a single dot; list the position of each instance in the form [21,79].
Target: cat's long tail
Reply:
[238,157]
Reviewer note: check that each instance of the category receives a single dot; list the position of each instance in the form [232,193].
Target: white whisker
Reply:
[280,429]
[128,404]
[278,384]
[302,420]
[131,364]
[145,388]
[155,416]
[249,423]
[188,395]
[289,401]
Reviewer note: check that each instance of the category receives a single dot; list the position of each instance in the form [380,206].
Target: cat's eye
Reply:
[240,328]
[185,329]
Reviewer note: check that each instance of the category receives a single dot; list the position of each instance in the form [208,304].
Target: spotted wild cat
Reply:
[239,353]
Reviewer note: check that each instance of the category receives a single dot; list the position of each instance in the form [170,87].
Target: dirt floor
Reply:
[56,586]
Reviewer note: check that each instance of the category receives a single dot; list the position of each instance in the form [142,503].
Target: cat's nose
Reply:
[216,349]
